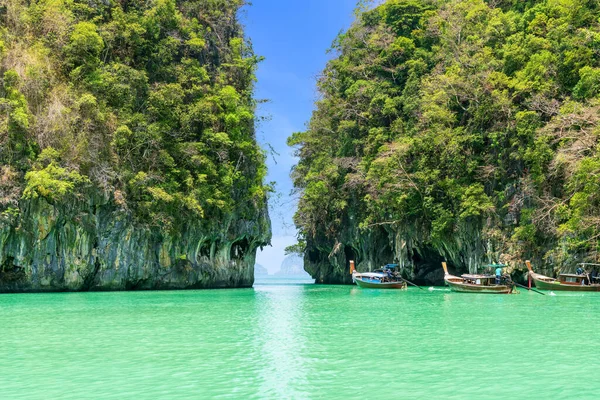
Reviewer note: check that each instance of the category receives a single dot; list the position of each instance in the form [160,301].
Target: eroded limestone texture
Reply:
[93,245]
[467,251]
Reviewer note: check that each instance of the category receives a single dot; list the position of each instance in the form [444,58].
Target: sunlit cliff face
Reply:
[128,157]
[457,130]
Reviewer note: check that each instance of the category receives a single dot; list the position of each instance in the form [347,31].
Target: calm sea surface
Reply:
[282,340]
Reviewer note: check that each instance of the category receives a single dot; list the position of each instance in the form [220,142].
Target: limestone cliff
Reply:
[458,130]
[128,155]
[92,245]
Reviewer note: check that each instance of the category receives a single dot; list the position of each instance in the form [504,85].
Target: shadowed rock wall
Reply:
[93,245]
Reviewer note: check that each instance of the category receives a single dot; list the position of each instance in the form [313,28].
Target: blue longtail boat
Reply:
[383,278]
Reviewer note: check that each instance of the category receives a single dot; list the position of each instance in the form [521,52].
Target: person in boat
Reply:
[391,275]
[581,271]
[498,274]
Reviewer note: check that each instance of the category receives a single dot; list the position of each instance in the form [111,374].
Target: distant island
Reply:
[292,265]
[259,270]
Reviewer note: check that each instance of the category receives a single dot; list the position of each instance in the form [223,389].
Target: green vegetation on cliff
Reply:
[459,129]
[151,102]
[133,114]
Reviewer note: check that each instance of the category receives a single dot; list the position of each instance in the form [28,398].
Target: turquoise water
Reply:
[298,341]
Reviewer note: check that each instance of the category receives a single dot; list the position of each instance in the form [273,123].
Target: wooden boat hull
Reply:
[562,286]
[381,285]
[470,288]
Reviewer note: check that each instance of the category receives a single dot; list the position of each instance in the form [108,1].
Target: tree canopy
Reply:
[147,102]
[462,126]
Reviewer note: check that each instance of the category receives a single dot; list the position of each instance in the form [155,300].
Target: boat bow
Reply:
[447,276]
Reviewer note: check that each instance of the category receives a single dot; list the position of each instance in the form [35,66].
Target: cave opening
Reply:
[428,266]
[350,254]
[205,250]
[313,256]
[239,249]
[10,272]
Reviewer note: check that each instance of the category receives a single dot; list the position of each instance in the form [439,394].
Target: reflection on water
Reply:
[283,343]
[295,340]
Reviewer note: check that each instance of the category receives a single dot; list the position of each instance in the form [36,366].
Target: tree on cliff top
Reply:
[149,102]
[466,127]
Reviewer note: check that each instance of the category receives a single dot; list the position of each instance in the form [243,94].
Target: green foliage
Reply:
[444,117]
[14,124]
[297,248]
[51,181]
[85,45]
[151,100]
[474,202]
[589,85]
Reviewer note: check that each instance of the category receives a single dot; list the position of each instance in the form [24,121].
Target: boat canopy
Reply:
[475,276]
[573,275]
[390,266]
[371,275]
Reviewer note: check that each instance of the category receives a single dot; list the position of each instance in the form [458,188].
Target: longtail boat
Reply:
[567,282]
[383,278]
[476,283]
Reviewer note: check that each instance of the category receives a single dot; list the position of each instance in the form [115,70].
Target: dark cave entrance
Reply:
[239,249]
[9,272]
[314,256]
[350,254]
[428,267]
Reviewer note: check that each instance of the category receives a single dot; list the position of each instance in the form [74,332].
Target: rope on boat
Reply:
[525,287]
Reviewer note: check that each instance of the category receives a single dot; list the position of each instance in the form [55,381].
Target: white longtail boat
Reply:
[379,279]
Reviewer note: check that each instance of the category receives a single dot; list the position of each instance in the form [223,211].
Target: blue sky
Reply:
[293,36]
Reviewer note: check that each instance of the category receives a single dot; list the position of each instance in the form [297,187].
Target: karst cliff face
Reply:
[457,130]
[93,245]
[128,156]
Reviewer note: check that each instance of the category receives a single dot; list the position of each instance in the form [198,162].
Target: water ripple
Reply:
[288,341]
